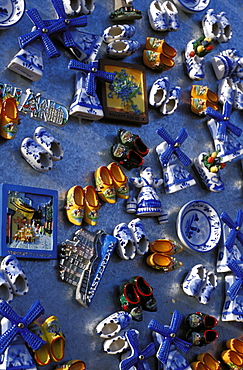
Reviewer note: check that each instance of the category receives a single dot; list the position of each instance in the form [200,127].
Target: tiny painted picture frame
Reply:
[125,99]
[28,222]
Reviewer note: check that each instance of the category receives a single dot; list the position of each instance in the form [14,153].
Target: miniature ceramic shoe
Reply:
[130,301]
[226,91]
[91,205]
[200,321]
[208,360]
[139,236]
[54,337]
[75,205]
[172,101]
[9,120]
[157,61]
[201,338]
[122,48]
[15,275]
[72,365]
[132,141]
[165,246]
[42,355]
[111,325]
[223,66]
[208,287]
[6,292]
[157,16]
[126,246]
[116,345]
[72,8]
[238,96]
[194,63]
[145,292]
[198,365]
[194,280]
[88,6]
[159,91]
[203,92]
[235,344]
[128,158]
[120,180]
[163,262]
[211,180]
[36,155]
[211,25]
[225,27]
[233,359]
[160,46]
[118,32]
[45,139]
[104,185]
[198,105]
[171,16]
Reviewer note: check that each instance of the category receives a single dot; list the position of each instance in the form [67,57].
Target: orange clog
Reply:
[203,92]
[208,360]
[235,344]
[156,60]
[75,205]
[163,262]
[165,246]
[91,205]
[104,185]
[120,180]
[54,337]
[42,355]
[72,365]
[233,359]
[160,46]
[9,118]
[198,106]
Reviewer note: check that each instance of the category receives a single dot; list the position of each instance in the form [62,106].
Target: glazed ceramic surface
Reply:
[11,12]
[192,6]
[198,226]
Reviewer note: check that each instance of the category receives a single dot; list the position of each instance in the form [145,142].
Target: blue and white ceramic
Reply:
[223,66]
[232,309]
[88,6]
[87,45]
[157,16]
[118,32]
[114,346]
[194,280]
[198,226]
[226,29]
[113,324]
[159,91]
[207,288]
[6,292]
[211,25]
[171,12]
[139,235]
[126,246]
[35,155]
[226,91]
[238,98]
[192,6]
[45,139]
[122,48]
[72,8]
[172,101]
[11,12]
[15,275]
[211,180]
[195,65]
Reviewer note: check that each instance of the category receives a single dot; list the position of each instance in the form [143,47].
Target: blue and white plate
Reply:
[192,6]
[11,11]
[198,226]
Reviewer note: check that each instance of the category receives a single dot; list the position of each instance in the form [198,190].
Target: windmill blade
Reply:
[164,134]
[127,363]
[7,337]
[8,312]
[182,344]
[230,241]
[233,290]
[240,237]
[214,114]
[68,40]
[106,76]
[34,312]
[75,64]
[234,129]
[164,349]
[28,37]
[149,350]
[227,107]
[227,220]
[50,48]
[239,218]
[182,136]
[184,159]
[35,17]
[78,22]
[90,84]
[159,328]
[176,321]
[33,340]
[59,8]
[221,132]
[235,268]
[165,157]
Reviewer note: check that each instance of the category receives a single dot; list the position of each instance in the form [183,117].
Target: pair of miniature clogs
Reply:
[130,150]
[13,280]
[9,118]
[161,258]
[132,239]
[162,96]
[136,296]
[110,182]
[205,361]
[82,204]
[158,55]
[42,150]
[232,92]
[200,283]
[233,356]
[202,98]
[74,8]
[163,16]
[110,327]
[217,26]
[50,331]
[117,39]
[72,365]
[201,330]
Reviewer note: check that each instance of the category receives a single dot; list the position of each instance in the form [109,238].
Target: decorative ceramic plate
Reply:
[11,11]
[192,6]
[198,226]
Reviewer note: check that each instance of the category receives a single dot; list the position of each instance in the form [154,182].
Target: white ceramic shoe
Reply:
[194,280]
[226,91]
[116,345]
[45,139]
[35,155]
[122,48]
[223,66]
[118,32]
[171,16]
[238,100]
[111,325]
[6,292]
[225,28]
[208,287]
[15,275]
[139,235]
[194,64]
[157,16]
[172,101]
[72,7]
[126,246]
[159,91]
[88,6]
[211,25]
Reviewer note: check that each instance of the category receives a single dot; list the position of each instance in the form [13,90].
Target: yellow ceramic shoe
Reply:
[72,365]
[200,105]
[42,355]
[104,185]
[54,337]
[119,179]
[203,92]
[75,205]
[198,365]
[236,345]
[9,119]
[160,46]
[165,246]
[91,205]
[233,359]
[210,362]
[163,262]
[157,61]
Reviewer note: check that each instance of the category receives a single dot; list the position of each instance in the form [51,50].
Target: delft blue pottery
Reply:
[11,12]
[211,25]
[71,8]
[119,49]
[211,180]
[15,275]
[116,345]
[139,235]
[172,101]
[232,309]
[35,155]
[210,284]
[111,325]
[172,18]
[126,245]
[195,65]
[118,32]
[192,6]
[45,139]
[226,29]
[86,45]
[226,91]
[238,98]
[157,16]
[159,91]
[198,226]
[194,280]
[5,288]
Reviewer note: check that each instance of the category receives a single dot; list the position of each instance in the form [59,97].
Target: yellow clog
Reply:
[42,355]
[165,246]
[235,344]
[157,61]
[160,46]
[9,118]
[91,205]
[72,365]
[210,362]
[233,359]
[75,205]
[54,337]
[203,92]
[163,262]
[198,365]
[200,105]
[104,185]
[119,179]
